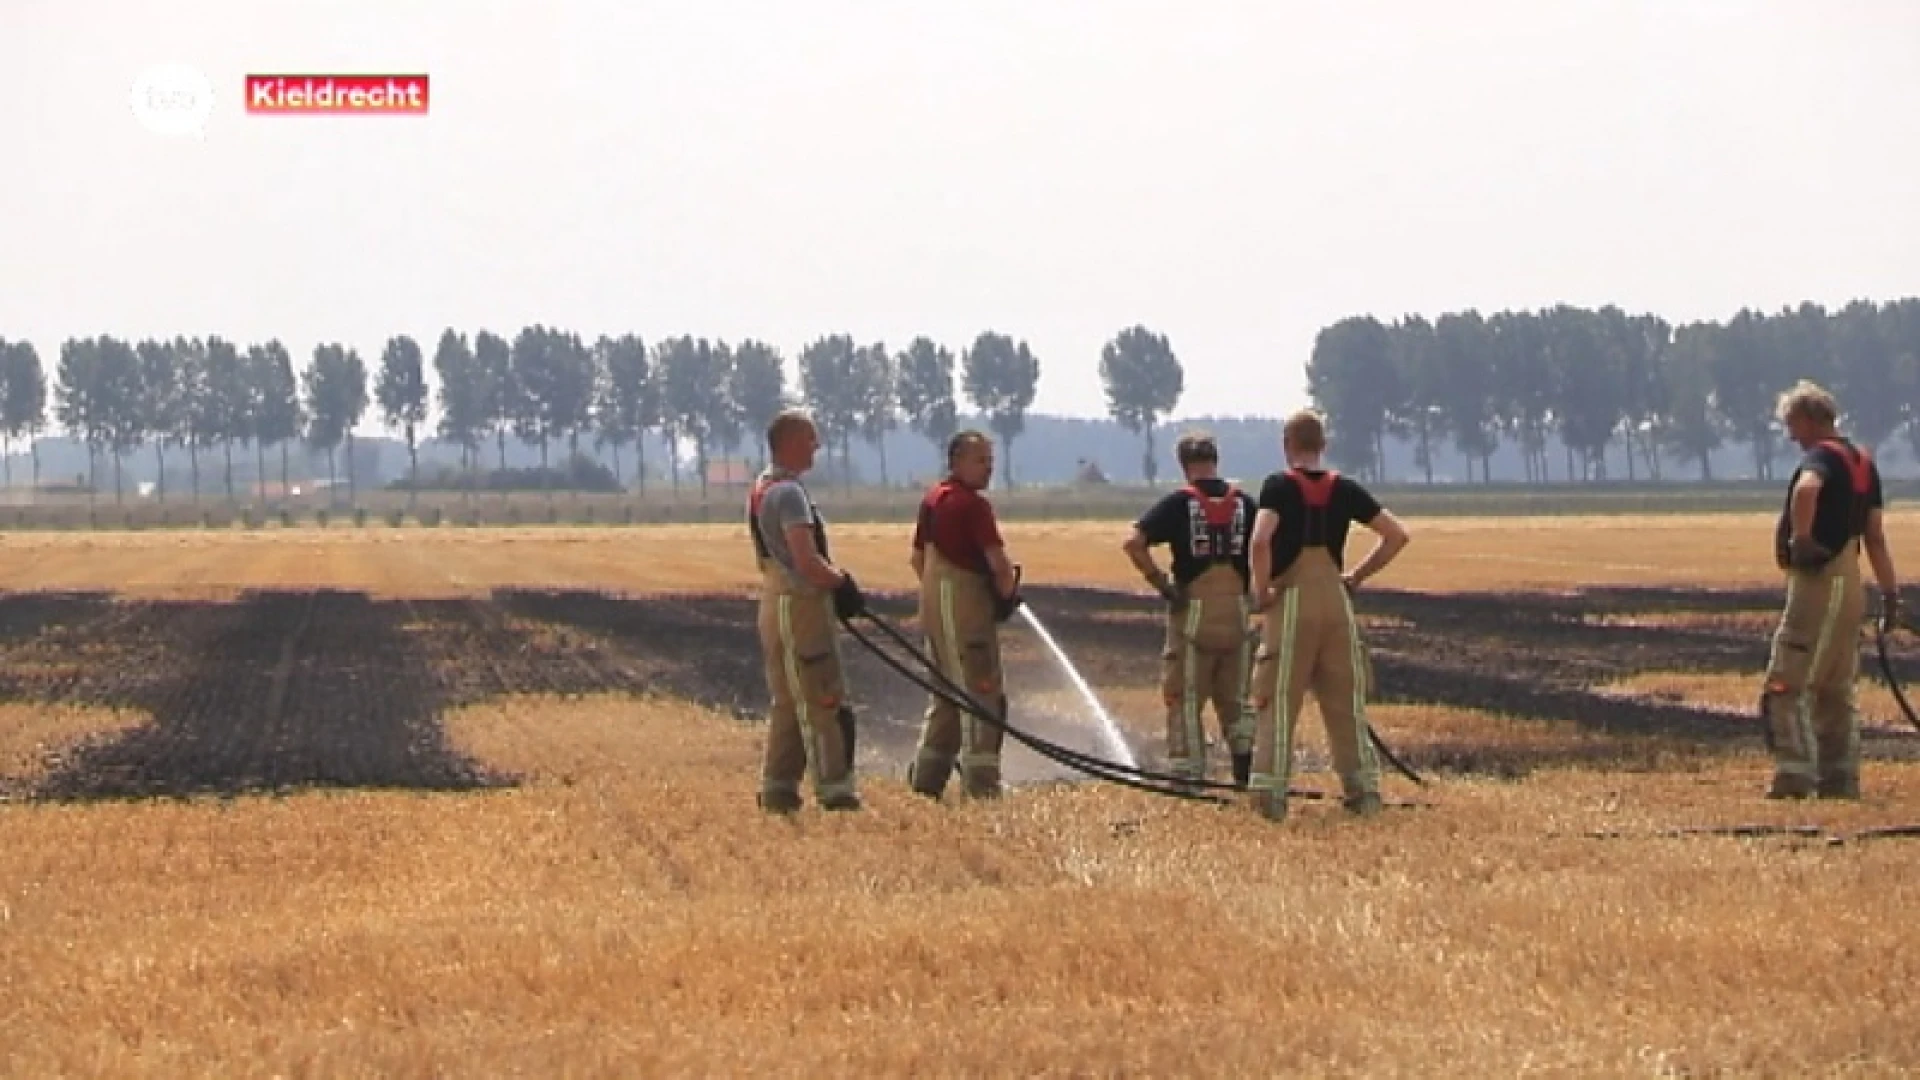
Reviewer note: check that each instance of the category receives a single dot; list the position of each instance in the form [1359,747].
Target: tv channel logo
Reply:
[172,100]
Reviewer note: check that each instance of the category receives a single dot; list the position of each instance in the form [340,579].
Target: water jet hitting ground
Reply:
[1110,737]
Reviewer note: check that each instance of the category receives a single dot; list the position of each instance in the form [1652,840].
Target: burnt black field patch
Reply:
[282,690]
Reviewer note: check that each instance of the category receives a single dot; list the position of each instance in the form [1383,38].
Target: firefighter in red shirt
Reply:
[968,586]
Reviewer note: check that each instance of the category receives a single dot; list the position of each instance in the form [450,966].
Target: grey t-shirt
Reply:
[784,504]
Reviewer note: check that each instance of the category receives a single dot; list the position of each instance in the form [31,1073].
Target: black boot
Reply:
[1839,786]
[1791,786]
[929,780]
[1242,769]
[846,801]
[779,802]
[983,782]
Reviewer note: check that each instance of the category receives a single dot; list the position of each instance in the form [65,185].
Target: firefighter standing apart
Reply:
[1310,640]
[967,586]
[811,728]
[1207,657]
[1834,508]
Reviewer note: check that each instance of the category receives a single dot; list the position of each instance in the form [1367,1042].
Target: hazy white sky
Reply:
[1235,174]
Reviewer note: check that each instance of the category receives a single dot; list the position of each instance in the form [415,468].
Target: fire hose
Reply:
[1157,783]
[1882,626]
[944,688]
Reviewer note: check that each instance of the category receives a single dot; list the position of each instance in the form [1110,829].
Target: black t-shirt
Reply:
[1347,502]
[1201,539]
[1836,519]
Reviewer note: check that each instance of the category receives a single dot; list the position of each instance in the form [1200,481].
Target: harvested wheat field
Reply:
[480,802]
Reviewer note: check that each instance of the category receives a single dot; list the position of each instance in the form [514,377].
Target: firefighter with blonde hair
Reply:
[1310,639]
[1834,510]
[1206,525]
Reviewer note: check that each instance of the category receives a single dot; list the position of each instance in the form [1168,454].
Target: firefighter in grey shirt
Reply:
[811,728]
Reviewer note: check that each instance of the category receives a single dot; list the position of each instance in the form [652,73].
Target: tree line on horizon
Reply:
[1588,379]
[543,386]
[1596,378]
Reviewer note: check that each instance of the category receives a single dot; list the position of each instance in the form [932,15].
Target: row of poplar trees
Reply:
[1596,379]
[545,386]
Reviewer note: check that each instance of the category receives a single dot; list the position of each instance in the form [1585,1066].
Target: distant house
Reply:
[730,473]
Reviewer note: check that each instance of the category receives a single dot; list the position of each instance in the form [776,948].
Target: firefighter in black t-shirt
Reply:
[1834,509]
[1310,640]
[1207,525]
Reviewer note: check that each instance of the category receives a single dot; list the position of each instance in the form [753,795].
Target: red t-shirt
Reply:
[959,523]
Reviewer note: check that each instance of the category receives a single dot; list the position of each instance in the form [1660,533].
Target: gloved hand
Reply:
[1005,606]
[848,600]
[1173,594]
[1889,612]
[1805,553]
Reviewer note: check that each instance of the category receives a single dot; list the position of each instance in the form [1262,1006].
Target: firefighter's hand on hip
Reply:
[1805,553]
[1174,595]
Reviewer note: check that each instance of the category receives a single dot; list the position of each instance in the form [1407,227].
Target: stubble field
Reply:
[428,802]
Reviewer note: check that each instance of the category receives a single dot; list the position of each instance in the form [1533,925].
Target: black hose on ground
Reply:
[959,698]
[1157,783]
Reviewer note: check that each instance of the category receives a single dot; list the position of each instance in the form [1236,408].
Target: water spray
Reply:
[1109,731]
[930,678]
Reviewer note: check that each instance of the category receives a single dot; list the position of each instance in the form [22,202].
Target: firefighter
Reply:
[811,727]
[968,585]
[1207,657]
[1834,508]
[1310,640]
